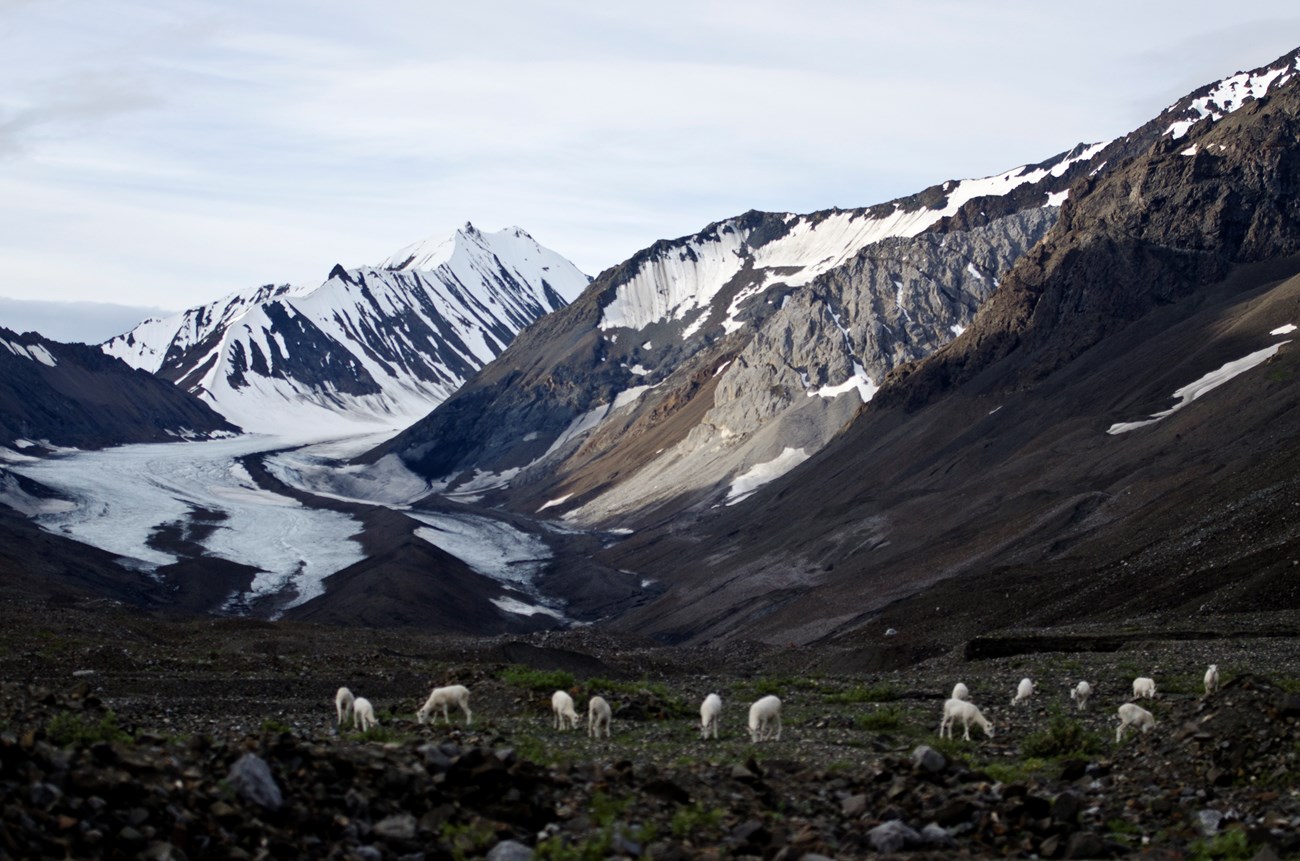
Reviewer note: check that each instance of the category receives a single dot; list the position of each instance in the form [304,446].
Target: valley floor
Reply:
[123,735]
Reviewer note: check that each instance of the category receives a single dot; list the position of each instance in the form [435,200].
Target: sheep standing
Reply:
[1131,714]
[343,701]
[968,713]
[960,692]
[598,715]
[363,714]
[1024,691]
[765,719]
[1212,679]
[710,712]
[562,707]
[1144,687]
[452,695]
[1080,694]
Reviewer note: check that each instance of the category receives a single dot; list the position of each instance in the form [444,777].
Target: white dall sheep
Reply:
[968,713]
[1024,691]
[452,695]
[710,711]
[1144,687]
[1131,714]
[562,707]
[1212,679]
[598,715]
[960,692]
[765,719]
[343,704]
[363,714]
[1080,694]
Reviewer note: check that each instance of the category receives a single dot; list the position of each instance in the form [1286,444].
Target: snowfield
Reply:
[122,496]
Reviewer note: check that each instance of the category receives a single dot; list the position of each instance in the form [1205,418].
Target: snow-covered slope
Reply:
[371,346]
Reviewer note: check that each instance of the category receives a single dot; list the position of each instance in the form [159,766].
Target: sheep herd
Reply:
[764,714]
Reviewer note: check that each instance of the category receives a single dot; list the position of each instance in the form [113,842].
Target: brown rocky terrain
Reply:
[129,736]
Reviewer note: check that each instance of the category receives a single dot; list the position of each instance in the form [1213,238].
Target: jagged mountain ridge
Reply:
[593,413]
[1034,472]
[379,345]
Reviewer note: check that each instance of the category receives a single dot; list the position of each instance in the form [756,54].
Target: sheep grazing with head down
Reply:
[452,695]
[1080,694]
[960,692]
[1131,714]
[1212,679]
[765,719]
[967,712]
[1024,691]
[562,707]
[343,704]
[598,714]
[1144,687]
[710,712]
[363,714]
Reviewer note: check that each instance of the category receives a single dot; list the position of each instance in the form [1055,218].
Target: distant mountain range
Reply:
[1060,394]
[373,347]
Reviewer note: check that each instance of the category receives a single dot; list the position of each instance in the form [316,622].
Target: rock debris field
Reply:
[123,736]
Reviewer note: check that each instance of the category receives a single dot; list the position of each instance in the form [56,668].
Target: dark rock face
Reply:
[983,480]
[74,395]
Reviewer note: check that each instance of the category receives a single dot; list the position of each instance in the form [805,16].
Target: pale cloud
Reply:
[168,153]
[82,322]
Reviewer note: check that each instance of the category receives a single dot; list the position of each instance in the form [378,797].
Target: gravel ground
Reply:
[134,737]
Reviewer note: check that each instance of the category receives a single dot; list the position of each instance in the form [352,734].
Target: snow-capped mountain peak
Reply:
[1223,97]
[371,345]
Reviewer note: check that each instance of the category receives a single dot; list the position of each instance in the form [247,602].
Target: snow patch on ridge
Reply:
[1229,95]
[760,474]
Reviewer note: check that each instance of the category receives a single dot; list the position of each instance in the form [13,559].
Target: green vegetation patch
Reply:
[537,680]
[69,728]
[1063,737]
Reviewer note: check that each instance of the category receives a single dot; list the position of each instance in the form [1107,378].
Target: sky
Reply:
[159,154]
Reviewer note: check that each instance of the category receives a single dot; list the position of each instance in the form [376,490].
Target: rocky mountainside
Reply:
[708,365]
[376,346]
[1109,439]
[54,394]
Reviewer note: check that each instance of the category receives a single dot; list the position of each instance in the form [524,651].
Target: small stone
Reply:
[510,850]
[892,836]
[927,759]
[400,826]
[1067,807]
[854,806]
[1209,821]
[935,835]
[1085,844]
[739,772]
[252,780]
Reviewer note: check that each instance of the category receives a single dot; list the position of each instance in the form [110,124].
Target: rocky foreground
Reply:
[128,737]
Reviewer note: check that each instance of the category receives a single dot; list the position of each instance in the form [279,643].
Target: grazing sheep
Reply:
[765,719]
[452,695]
[1080,694]
[969,713]
[1023,692]
[562,706]
[960,692]
[710,711]
[1144,687]
[1134,715]
[1212,679]
[343,704]
[363,714]
[598,714]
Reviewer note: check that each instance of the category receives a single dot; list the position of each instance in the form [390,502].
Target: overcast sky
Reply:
[163,153]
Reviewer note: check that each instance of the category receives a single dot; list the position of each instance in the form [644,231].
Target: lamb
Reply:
[343,704]
[1135,715]
[1080,694]
[969,713]
[452,695]
[710,711]
[363,714]
[1212,679]
[960,692]
[562,706]
[1144,687]
[765,719]
[1023,692]
[598,714]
